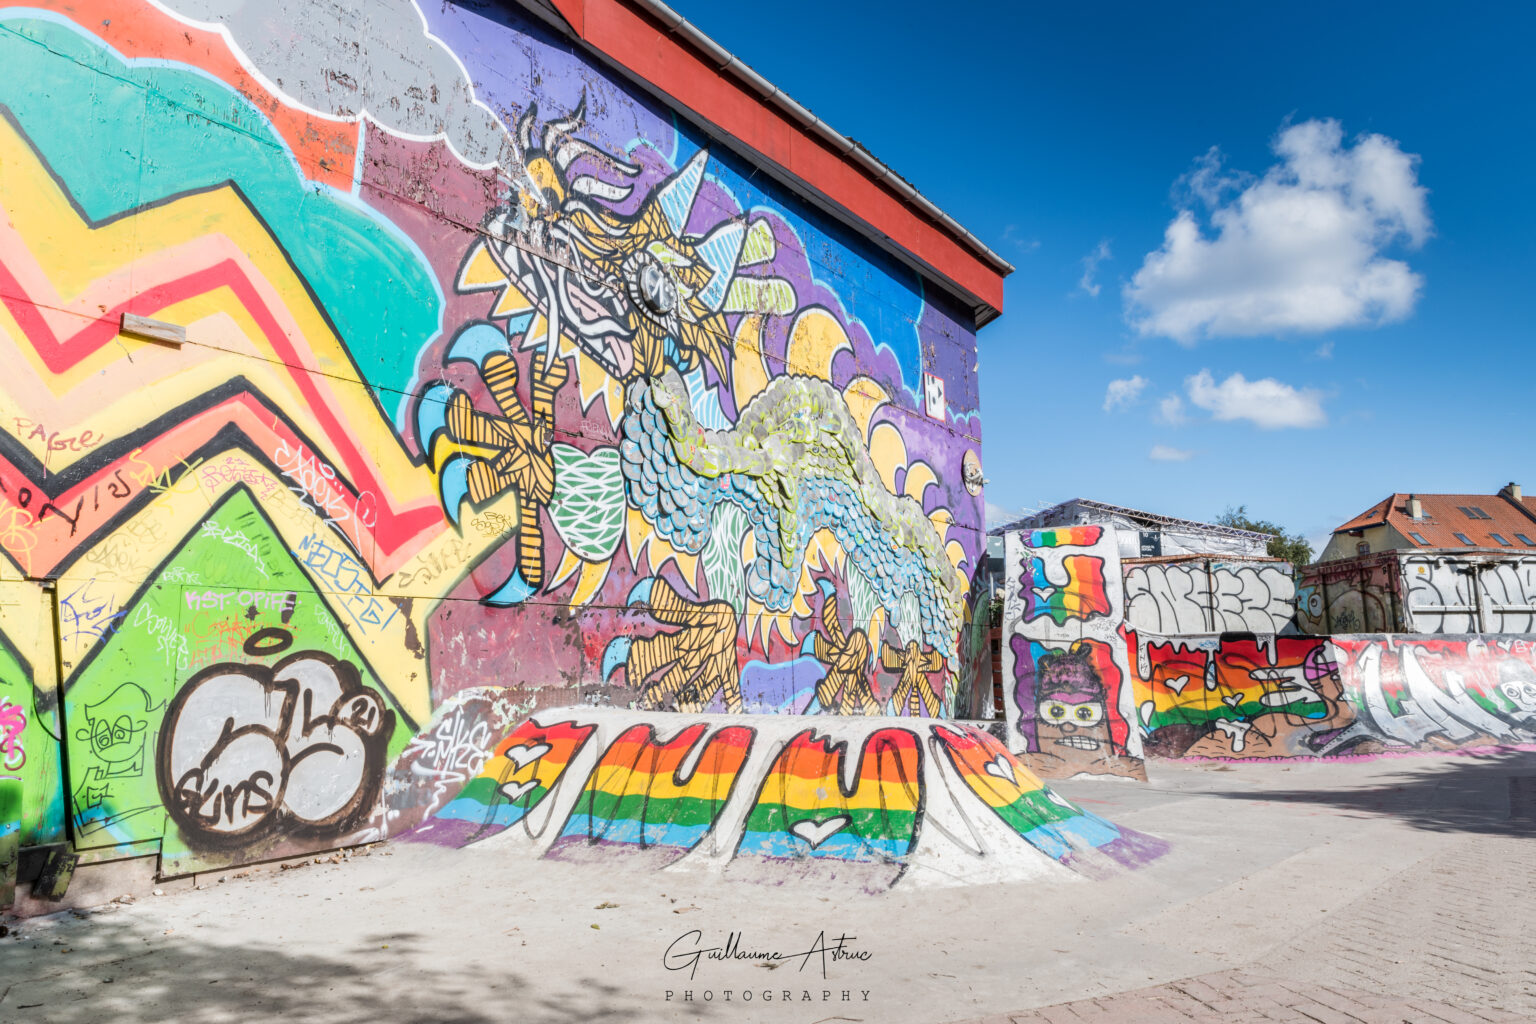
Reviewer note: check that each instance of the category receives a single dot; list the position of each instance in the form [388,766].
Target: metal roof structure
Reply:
[1150,518]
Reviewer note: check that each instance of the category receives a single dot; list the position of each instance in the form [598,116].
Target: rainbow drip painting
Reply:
[640,796]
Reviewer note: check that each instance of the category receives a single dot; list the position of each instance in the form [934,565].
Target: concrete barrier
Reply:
[1341,696]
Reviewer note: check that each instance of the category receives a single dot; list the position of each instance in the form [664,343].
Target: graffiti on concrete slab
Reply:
[1205,596]
[1067,693]
[655,798]
[865,803]
[1069,698]
[246,750]
[1266,697]
[1437,694]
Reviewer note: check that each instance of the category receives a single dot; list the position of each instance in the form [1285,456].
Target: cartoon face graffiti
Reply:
[1517,682]
[1071,714]
[116,729]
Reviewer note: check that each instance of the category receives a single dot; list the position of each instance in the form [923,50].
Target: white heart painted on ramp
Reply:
[514,790]
[1001,767]
[527,753]
[816,833]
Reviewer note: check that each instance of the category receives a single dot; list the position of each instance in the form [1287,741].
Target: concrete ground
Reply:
[1397,890]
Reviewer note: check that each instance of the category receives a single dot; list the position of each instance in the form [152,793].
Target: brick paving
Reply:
[1451,940]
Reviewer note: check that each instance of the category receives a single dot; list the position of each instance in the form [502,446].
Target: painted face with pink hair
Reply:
[1071,710]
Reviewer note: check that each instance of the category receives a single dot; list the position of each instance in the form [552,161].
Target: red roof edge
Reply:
[682,65]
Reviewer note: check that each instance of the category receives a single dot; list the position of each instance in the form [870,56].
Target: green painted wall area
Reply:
[232,594]
[29,752]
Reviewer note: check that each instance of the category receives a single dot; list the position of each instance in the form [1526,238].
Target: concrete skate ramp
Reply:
[870,802]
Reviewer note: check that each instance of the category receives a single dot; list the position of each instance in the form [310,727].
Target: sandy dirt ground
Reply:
[1387,871]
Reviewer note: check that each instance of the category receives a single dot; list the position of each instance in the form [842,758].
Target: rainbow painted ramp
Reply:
[870,801]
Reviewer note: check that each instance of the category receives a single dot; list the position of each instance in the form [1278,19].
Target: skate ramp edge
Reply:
[867,802]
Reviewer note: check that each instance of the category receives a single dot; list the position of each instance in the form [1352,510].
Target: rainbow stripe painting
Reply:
[1238,682]
[1066,537]
[1056,827]
[514,780]
[804,811]
[640,797]
[1084,595]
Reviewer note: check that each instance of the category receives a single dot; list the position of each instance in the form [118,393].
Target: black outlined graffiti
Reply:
[1197,597]
[117,731]
[247,751]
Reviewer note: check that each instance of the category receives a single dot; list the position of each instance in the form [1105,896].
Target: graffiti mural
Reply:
[517,395]
[1266,697]
[1093,691]
[658,798]
[1202,595]
[868,804]
[1345,695]
[1436,694]
[1069,703]
[246,750]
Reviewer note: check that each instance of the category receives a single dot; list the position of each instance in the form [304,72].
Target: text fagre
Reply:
[688,949]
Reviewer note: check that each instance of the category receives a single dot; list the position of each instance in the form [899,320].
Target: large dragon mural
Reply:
[650,305]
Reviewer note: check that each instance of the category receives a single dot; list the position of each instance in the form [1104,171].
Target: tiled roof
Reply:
[1476,517]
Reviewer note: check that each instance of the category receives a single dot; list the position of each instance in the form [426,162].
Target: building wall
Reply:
[489,400]
[1381,537]
[1420,592]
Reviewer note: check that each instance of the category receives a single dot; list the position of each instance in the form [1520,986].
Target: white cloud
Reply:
[1090,267]
[1122,393]
[1267,404]
[1324,351]
[1171,410]
[1016,238]
[997,515]
[1299,249]
[1165,453]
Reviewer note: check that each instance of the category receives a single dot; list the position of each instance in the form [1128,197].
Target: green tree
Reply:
[1290,546]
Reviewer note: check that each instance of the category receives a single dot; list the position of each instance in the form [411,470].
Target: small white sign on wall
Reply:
[933,396]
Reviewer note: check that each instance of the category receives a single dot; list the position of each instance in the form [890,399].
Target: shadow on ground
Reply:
[1492,794]
[112,967]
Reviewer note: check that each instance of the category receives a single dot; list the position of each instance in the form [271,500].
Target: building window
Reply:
[1362,548]
[1473,512]
[1418,538]
[1502,542]
[1523,539]
[1464,539]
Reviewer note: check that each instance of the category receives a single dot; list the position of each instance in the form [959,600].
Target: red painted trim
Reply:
[646,50]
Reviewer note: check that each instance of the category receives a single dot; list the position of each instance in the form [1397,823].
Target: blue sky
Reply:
[1344,307]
